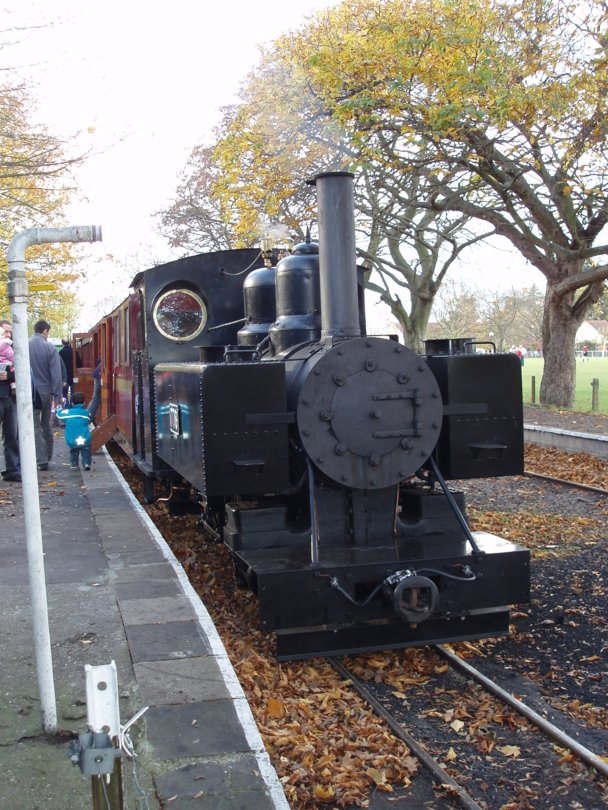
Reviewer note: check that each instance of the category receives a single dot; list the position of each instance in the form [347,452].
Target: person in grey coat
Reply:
[46,371]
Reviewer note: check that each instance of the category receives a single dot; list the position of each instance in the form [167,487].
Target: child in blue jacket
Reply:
[77,434]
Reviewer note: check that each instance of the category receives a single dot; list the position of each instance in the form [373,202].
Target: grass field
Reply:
[594,367]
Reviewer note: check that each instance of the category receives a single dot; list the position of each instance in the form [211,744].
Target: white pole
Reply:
[17,295]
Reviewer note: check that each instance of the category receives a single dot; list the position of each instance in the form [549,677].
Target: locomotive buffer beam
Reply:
[311,615]
[353,639]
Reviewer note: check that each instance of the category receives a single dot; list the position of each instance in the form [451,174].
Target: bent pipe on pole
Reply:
[17,296]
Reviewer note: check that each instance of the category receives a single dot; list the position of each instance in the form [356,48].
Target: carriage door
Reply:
[84,364]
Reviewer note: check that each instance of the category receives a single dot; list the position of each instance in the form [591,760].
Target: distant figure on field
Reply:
[46,371]
[77,431]
[585,352]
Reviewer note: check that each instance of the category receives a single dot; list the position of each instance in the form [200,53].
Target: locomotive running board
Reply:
[319,642]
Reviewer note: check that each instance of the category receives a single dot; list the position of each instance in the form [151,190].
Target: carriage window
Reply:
[180,315]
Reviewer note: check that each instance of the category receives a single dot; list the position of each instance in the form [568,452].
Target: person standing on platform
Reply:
[8,413]
[67,355]
[46,371]
[64,384]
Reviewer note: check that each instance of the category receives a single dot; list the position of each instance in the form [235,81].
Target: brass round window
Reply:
[180,315]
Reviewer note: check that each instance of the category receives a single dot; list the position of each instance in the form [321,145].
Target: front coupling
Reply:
[414,597]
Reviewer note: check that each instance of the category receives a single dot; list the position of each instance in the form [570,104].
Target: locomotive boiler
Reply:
[320,455]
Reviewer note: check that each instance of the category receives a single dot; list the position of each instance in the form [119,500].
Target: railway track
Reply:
[574,484]
[455,788]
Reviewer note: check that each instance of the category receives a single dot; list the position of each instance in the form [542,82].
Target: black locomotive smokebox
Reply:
[369,412]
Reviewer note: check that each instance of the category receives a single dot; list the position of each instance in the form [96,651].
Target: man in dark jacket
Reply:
[67,355]
[8,418]
[46,370]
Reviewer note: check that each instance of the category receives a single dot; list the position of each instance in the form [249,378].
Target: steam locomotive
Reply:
[319,454]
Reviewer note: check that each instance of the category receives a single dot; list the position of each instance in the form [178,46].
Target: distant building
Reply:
[594,332]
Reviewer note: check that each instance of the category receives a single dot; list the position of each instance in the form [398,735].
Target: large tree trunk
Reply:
[413,325]
[559,334]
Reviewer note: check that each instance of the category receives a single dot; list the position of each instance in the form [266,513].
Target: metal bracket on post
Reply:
[94,753]
[99,750]
[103,710]
[103,718]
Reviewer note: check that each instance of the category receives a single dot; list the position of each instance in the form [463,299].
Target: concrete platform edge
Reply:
[218,650]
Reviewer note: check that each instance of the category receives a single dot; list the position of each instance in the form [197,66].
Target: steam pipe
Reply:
[337,255]
[17,296]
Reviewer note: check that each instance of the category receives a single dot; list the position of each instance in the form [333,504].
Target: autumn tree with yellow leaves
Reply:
[33,193]
[255,177]
[461,118]
[509,100]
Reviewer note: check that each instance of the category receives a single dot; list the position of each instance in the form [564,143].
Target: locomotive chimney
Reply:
[337,255]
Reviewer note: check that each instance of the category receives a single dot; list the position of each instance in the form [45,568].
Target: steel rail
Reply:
[544,725]
[550,479]
[437,772]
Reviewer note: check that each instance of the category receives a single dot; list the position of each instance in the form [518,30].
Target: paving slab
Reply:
[182,681]
[195,729]
[149,611]
[166,641]
[227,784]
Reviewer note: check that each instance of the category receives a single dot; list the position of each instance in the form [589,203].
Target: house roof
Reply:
[601,326]
[595,331]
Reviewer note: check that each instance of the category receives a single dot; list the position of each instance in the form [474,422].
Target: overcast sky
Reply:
[143,83]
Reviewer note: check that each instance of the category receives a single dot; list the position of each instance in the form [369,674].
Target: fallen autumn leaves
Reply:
[328,748]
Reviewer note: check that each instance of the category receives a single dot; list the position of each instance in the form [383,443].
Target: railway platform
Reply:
[569,431]
[116,593]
